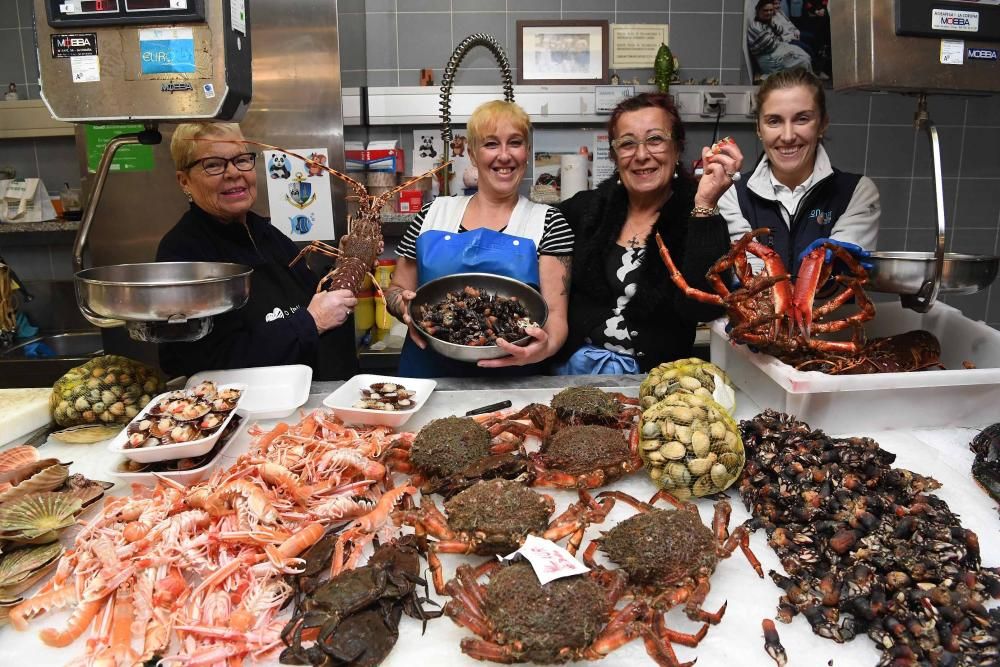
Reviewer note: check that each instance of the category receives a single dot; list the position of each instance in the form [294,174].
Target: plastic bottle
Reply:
[383,275]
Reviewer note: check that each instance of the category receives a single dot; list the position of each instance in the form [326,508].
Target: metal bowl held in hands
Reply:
[436,290]
[908,272]
[174,293]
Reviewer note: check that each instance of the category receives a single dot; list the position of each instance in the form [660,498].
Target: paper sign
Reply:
[85,68]
[238,16]
[603,166]
[952,52]
[549,560]
[606,98]
[634,45]
[167,50]
[299,194]
[134,157]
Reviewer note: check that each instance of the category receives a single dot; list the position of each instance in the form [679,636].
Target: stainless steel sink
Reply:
[72,345]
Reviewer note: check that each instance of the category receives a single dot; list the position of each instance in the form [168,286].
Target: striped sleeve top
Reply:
[557,236]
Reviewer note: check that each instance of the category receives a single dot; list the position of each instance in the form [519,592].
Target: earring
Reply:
[187,193]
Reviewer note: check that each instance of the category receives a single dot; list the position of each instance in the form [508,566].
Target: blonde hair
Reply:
[183,144]
[488,116]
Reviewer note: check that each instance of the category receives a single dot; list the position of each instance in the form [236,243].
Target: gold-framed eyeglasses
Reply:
[654,143]
[213,166]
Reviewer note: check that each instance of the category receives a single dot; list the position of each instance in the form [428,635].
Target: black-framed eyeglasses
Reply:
[213,166]
[654,143]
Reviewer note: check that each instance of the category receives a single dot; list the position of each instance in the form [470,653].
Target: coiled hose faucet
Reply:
[448,80]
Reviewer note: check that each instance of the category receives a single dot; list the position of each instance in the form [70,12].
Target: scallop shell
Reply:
[206,389]
[88,491]
[14,458]
[21,568]
[25,471]
[48,479]
[192,411]
[38,518]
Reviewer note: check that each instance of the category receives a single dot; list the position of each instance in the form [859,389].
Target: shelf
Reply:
[414,105]
[25,119]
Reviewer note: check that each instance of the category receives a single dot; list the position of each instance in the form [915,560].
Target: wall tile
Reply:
[893,109]
[351,31]
[891,239]
[380,43]
[973,241]
[641,6]
[734,6]
[979,159]
[380,6]
[350,6]
[11,63]
[491,23]
[424,6]
[922,224]
[25,11]
[847,108]
[61,262]
[732,42]
[657,18]
[588,5]
[695,39]
[20,154]
[984,110]
[977,204]
[972,306]
[950,139]
[890,151]
[894,196]
[846,146]
[479,5]
[735,77]
[589,15]
[714,6]
[947,109]
[8,20]
[417,46]
[29,262]
[514,6]
[57,162]
[30,54]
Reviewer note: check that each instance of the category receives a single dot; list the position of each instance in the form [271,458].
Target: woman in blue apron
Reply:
[494,231]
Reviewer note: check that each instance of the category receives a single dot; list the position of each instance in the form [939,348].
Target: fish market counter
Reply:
[737,640]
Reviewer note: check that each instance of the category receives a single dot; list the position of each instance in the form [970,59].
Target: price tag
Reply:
[952,52]
[549,560]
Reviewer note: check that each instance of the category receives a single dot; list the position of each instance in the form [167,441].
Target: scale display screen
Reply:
[63,13]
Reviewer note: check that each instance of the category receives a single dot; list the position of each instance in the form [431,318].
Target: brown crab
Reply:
[494,517]
[585,457]
[451,454]
[517,619]
[669,556]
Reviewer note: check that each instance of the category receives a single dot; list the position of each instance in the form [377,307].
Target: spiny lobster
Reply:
[358,250]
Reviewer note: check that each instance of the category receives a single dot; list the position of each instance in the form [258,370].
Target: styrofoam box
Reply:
[272,392]
[178,450]
[847,403]
[343,399]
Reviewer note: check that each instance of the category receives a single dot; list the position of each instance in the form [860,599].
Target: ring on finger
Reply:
[734,176]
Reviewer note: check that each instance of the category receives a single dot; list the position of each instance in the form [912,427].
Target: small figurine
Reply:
[427,77]
[615,80]
[11,95]
[664,68]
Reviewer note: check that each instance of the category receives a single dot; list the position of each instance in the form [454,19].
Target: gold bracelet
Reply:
[704,211]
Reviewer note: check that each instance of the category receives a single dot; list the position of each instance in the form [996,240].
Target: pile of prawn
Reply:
[195,575]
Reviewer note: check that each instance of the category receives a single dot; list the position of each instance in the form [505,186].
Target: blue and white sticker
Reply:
[209,91]
[979,53]
[167,50]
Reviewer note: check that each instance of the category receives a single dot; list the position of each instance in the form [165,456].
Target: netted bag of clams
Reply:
[687,376]
[106,390]
[691,445]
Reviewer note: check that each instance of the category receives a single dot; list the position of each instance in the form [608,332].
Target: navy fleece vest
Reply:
[815,217]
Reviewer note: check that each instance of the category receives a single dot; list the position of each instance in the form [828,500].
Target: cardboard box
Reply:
[354,156]
[410,201]
[385,156]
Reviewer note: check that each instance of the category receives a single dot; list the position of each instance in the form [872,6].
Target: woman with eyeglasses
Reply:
[284,321]
[625,314]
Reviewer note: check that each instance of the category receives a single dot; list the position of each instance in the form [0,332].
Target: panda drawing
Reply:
[278,168]
[427,146]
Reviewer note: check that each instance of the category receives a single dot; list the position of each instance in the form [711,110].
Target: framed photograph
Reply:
[782,34]
[557,52]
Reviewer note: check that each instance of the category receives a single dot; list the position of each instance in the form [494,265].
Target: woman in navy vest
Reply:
[794,190]
[494,231]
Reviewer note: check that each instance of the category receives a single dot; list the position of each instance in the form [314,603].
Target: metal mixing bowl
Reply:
[906,272]
[163,291]
[435,291]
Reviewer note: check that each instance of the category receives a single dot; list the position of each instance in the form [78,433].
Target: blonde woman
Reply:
[494,231]
[284,320]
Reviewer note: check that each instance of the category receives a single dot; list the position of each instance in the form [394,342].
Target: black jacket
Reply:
[274,327]
[660,317]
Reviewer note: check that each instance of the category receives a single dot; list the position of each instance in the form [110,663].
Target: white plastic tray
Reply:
[349,393]
[272,392]
[181,450]
[186,477]
[934,398]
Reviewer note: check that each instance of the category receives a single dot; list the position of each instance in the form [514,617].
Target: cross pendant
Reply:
[634,241]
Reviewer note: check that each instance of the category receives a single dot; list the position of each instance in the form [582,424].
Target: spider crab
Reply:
[494,517]
[774,314]
[517,619]
[668,558]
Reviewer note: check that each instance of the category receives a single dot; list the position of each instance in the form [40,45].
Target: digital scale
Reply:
[75,13]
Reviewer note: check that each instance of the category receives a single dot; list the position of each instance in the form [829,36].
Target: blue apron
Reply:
[481,250]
